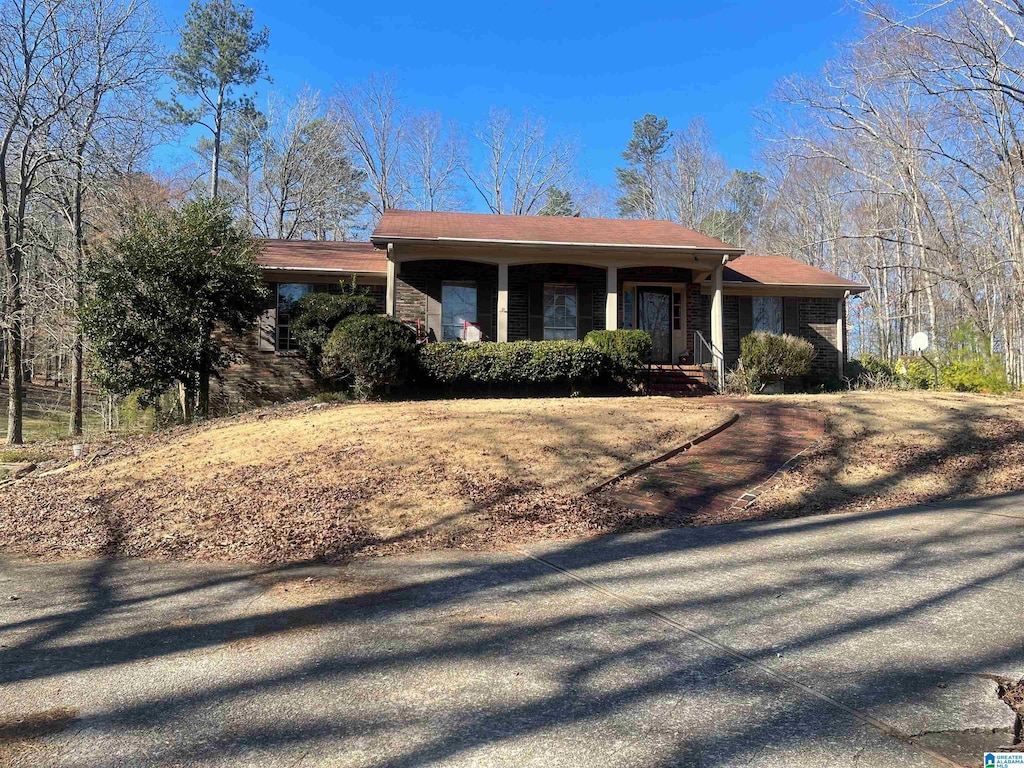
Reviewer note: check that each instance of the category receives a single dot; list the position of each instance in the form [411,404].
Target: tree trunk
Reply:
[78,345]
[215,167]
[187,401]
[15,369]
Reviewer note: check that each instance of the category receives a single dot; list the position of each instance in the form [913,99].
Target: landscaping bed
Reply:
[332,481]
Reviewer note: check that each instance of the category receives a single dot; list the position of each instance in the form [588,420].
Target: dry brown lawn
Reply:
[885,449]
[331,481]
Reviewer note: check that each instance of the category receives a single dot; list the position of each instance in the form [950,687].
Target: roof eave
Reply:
[853,288]
[730,251]
[333,270]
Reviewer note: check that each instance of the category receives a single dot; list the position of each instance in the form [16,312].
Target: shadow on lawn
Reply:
[361,685]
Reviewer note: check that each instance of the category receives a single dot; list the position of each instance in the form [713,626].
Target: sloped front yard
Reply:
[334,481]
[889,449]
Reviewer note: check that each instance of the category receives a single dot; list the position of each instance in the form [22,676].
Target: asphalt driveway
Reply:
[872,639]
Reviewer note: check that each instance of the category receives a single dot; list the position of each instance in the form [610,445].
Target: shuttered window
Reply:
[560,316]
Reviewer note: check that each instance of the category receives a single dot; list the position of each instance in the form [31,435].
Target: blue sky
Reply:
[589,68]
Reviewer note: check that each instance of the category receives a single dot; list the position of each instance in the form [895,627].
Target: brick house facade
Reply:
[509,278]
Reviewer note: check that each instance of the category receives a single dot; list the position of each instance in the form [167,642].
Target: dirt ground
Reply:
[885,449]
[326,482]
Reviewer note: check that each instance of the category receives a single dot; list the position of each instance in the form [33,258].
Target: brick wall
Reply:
[817,324]
[411,284]
[258,378]
[818,319]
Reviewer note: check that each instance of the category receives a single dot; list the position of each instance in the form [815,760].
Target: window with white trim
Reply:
[458,309]
[559,312]
[766,313]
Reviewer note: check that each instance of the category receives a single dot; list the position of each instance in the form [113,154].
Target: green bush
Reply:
[315,315]
[970,365]
[370,351]
[979,374]
[517,365]
[766,358]
[626,352]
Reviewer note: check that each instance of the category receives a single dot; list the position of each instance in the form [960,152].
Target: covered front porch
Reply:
[496,296]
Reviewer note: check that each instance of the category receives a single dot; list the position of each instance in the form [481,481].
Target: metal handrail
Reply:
[704,356]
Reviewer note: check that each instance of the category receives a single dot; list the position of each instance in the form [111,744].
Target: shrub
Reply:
[316,314]
[626,352]
[914,373]
[975,375]
[529,365]
[970,364]
[371,351]
[767,358]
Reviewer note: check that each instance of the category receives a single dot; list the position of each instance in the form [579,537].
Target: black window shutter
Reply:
[536,329]
[746,316]
[791,315]
[485,310]
[433,317]
[584,310]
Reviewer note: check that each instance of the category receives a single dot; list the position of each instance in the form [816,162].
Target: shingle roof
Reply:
[782,270]
[555,230]
[319,255]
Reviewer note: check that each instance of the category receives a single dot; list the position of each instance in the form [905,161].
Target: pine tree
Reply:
[218,53]
[639,180]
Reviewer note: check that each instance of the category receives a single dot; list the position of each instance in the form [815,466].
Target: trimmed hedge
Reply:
[627,352]
[517,365]
[373,351]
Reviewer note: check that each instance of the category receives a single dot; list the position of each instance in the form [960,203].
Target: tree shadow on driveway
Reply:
[820,637]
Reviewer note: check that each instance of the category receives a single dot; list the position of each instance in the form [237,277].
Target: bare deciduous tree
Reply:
[372,123]
[436,154]
[520,164]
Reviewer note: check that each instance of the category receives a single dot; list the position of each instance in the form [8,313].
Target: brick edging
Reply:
[665,456]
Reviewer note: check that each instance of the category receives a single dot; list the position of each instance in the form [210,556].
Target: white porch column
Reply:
[503,302]
[390,307]
[718,326]
[611,303]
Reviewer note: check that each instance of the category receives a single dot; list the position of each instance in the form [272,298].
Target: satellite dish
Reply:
[919,342]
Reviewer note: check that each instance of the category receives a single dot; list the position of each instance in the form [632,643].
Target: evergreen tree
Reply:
[639,180]
[162,289]
[559,202]
[218,53]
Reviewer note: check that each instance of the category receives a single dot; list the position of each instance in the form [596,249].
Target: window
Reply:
[766,313]
[627,310]
[458,307]
[677,311]
[559,312]
[287,295]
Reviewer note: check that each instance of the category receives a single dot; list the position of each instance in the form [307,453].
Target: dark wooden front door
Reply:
[654,315]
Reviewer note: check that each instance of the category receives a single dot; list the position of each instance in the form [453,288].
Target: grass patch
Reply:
[327,481]
[887,449]
[26,455]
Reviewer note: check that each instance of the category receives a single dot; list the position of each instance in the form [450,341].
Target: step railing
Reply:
[704,355]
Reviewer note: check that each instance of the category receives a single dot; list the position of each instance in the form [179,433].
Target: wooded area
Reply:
[901,164]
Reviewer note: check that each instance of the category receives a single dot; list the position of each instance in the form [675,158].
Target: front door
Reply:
[654,315]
